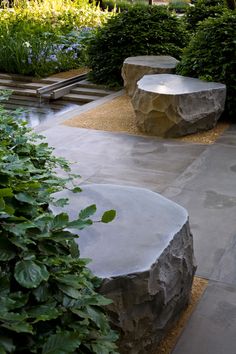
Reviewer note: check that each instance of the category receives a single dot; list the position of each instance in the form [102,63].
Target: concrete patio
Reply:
[201,178]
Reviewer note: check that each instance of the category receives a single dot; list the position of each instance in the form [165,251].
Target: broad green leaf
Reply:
[20,228]
[76,190]
[79,224]
[18,327]
[60,202]
[20,299]
[9,209]
[87,212]
[29,274]
[44,312]
[108,216]
[44,221]
[62,236]
[60,221]
[103,347]
[7,249]
[74,249]
[6,192]
[97,316]
[101,300]
[69,279]
[4,284]
[68,290]
[42,292]
[62,343]
[26,198]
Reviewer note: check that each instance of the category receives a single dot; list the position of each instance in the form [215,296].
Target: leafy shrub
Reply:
[203,9]
[211,55]
[48,302]
[143,30]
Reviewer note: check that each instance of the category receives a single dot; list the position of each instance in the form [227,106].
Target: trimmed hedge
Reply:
[143,30]
[211,55]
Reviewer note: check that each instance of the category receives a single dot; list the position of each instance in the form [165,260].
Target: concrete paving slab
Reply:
[211,328]
[213,171]
[225,269]
[213,226]
[155,180]
[119,158]
[229,138]
[63,136]
[232,128]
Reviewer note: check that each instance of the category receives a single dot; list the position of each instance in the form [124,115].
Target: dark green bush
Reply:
[143,30]
[203,9]
[48,302]
[211,55]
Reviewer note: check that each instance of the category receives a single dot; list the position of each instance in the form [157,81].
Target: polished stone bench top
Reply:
[153,61]
[175,84]
[144,226]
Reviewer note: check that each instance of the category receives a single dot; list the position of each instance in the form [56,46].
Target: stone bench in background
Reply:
[172,105]
[134,68]
[145,258]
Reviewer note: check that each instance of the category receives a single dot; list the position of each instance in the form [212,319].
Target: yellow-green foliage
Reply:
[58,13]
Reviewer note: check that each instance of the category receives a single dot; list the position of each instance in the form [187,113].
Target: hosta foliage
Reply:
[48,302]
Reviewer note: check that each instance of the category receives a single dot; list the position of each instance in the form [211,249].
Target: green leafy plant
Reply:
[203,9]
[42,38]
[143,30]
[211,55]
[48,298]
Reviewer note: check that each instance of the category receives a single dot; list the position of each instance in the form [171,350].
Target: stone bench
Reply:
[134,68]
[145,258]
[172,105]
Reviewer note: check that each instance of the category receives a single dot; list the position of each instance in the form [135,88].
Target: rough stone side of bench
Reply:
[145,304]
